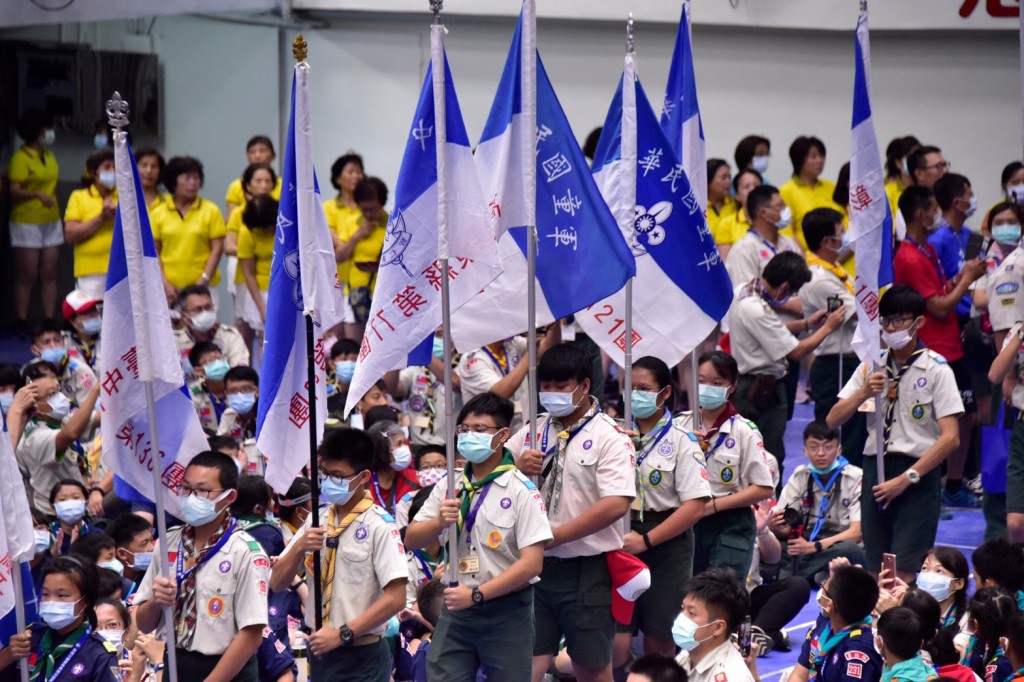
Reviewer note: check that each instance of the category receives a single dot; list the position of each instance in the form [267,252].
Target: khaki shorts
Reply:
[28,236]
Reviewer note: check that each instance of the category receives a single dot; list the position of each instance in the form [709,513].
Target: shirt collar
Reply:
[717,655]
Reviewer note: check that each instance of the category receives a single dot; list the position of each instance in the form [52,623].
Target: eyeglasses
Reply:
[897,322]
[941,165]
[336,480]
[433,467]
[827,448]
[475,428]
[187,491]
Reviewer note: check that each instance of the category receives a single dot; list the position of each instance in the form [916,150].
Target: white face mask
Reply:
[785,218]
[403,457]
[760,163]
[107,178]
[898,339]
[1015,194]
[204,321]
[60,406]
[935,584]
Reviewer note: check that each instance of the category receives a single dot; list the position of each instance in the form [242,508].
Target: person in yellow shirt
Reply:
[753,151]
[259,179]
[259,149]
[89,223]
[806,190]
[841,198]
[344,218]
[255,251]
[720,204]
[151,166]
[734,226]
[36,232]
[897,176]
[363,247]
[188,230]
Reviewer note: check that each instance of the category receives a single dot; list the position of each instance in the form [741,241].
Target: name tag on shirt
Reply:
[470,564]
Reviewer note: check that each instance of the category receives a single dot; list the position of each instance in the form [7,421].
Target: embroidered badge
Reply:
[361,533]
[730,442]
[494,539]
[665,449]
[917,412]
[587,444]
[215,606]
[224,566]
[655,478]
[922,382]
[506,502]
[727,475]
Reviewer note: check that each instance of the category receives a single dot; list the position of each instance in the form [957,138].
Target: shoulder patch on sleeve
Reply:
[750,423]
[525,479]
[856,656]
[384,514]
[1007,288]
[254,546]
[407,497]
[110,647]
[937,357]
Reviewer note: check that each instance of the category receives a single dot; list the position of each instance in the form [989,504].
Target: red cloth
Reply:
[405,482]
[960,673]
[924,275]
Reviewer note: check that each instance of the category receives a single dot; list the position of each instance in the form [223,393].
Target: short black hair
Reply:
[123,529]
[108,582]
[90,546]
[227,472]
[122,610]
[900,629]
[900,299]
[45,327]
[1001,562]
[179,165]
[348,445]
[82,574]
[897,150]
[916,160]
[97,159]
[250,172]
[381,413]
[32,123]
[1006,206]
[1014,631]
[745,149]
[10,376]
[741,173]
[242,373]
[820,430]
[841,194]
[801,148]
[787,268]
[759,198]
[657,367]
[418,500]
[948,188]
[500,409]
[926,607]
[371,189]
[1008,171]
[590,144]
[430,600]
[990,608]
[344,347]
[252,491]
[220,443]
[339,165]
[300,487]
[67,481]
[428,449]
[39,368]
[193,290]
[853,591]
[723,363]
[658,668]
[720,591]
[564,362]
[260,139]
[202,348]
[818,224]
[161,163]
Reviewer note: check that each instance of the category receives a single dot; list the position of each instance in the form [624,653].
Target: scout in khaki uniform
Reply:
[672,493]
[738,470]
[363,566]
[921,406]
[752,252]
[826,495]
[75,377]
[501,531]
[219,586]
[199,317]
[1008,367]
[423,388]
[208,396]
[587,474]
[715,606]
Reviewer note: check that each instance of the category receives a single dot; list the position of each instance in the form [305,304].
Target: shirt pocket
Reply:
[916,402]
[216,593]
[658,472]
[724,469]
[581,467]
[498,534]
[353,564]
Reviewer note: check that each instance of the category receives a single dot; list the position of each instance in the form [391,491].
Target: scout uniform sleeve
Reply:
[946,399]
[616,475]
[250,601]
[858,666]
[774,338]
[855,383]
[478,374]
[853,478]
[145,591]
[431,507]
[531,518]
[754,469]
[234,347]
[84,380]
[517,443]
[743,263]
[227,422]
[1005,297]
[405,380]
[691,470]
[1011,336]
[389,560]
[795,487]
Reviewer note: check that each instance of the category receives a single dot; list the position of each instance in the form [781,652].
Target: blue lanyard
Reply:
[661,434]
[390,504]
[423,564]
[218,405]
[69,655]
[767,243]
[547,427]
[721,437]
[179,568]
[825,501]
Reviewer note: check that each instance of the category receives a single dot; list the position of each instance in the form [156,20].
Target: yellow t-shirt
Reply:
[236,196]
[367,251]
[344,221]
[259,245]
[93,254]
[802,198]
[894,190]
[235,225]
[715,218]
[34,173]
[185,241]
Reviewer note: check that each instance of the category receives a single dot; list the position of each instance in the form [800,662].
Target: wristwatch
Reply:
[346,634]
[818,547]
[913,476]
[478,596]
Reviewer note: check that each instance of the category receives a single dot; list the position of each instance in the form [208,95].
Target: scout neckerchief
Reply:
[219,404]
[335,527]
[551,483]
[50,653]
[911,669]
[952,615]
[895,375]
[727,413]
[826,499]
[972,642]
[1017,674]
[834,268]
[86,347]
[502,364]
[250,521]
[188,562]
[477,490]
[826,641]
[648,442]
[1020,600]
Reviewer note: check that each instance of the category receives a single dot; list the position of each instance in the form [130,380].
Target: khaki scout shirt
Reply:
[672,469]
[736,458]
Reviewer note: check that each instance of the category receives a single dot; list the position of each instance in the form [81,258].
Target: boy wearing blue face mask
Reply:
[363,565]
[242,387]
[208,395]
[826,494]
[501,533]
[339,374]
[75,376]
[133,543]
[714,607]
[218,587]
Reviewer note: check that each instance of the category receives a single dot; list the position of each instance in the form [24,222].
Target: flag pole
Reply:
[299,52]
[437,65]
[19,608]
[628,154]
[694,388]
[528,59]
[118,120]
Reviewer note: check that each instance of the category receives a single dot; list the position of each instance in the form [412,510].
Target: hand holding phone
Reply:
[745,630]
[889,565]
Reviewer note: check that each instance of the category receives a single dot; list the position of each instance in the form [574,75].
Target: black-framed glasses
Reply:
[187,491]
[336,480]
[897,321]
[476,428]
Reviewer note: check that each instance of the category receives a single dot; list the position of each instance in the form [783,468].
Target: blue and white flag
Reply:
[17,541]
[303,278]
[681,289]
[138,347]
[871,223]
[581,256]
[8,616]
[406,307]
[680,114]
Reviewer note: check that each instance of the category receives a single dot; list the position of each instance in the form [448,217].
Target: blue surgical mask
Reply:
[1006,234]
[403,458]
[69,511]
[684,632]
[92,325]
[58,614]
[113,565]
[242,403]
[438,348]
[935,584]
[107,178]
[6,400]
[712,397]
[335,493]
[53,355]
[99,140]
[345,369]
[199,511]
[475,447]
[42,541]
[558,403]
[216,370]
[760,163]
[644,403]
[836,463]
[142,560]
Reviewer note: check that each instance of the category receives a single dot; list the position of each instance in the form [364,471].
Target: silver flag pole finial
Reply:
[117,113]
[435,7]
[629,33]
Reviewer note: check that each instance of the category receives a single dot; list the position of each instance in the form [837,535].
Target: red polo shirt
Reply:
[918,267]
